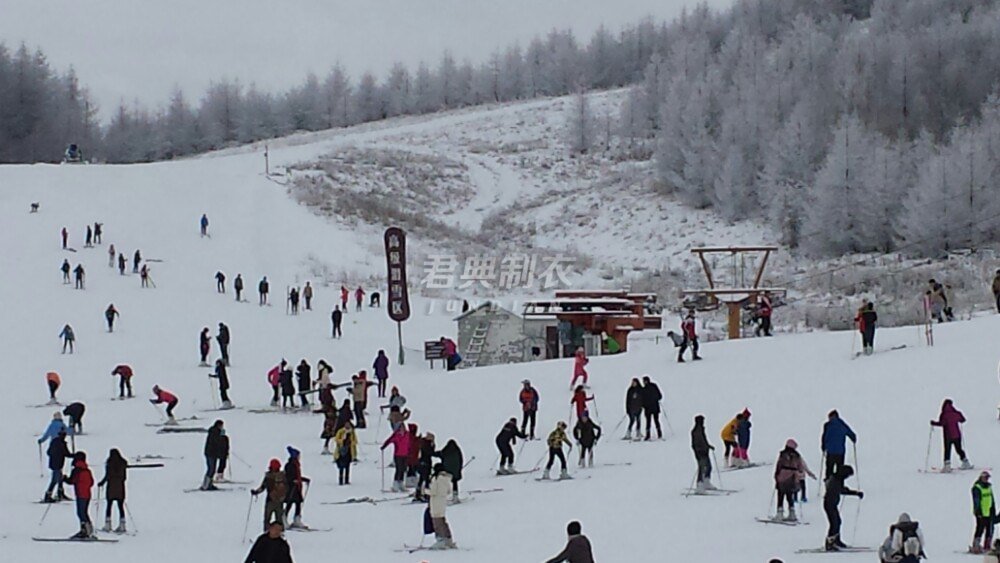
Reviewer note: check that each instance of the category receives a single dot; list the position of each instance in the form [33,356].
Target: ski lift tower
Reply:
[740,289]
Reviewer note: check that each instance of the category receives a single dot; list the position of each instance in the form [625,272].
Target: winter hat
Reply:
[57,415]
[274,464]
[791,443]
[438,467]
[904,518]
[561,424]
[395,389]
[699,419]
[585,414]
[429,436]
[746,413]
[292,452]
[573,528]
[984,475]
[526,382]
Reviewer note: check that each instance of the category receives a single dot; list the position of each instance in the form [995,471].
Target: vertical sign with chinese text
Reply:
[399,299]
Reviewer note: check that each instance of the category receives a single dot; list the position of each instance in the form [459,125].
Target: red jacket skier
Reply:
[579,367]
[950,420]
[579,400]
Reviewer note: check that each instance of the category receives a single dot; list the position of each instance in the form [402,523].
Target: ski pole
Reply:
[718,474]
[158,411]
[46,513]
[211,384]
[690,489]
[41,463]
[128,512]
[246,526]
[927,459]
[857,516]
[667,419]
[240,459]
[619,425]
[383,469]
[597,414]
[857,468]
[770,502]
[538,464]
[471,459]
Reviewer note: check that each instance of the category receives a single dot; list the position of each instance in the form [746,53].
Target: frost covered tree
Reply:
[580,126]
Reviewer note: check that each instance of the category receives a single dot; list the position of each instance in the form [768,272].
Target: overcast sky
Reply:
[142,49]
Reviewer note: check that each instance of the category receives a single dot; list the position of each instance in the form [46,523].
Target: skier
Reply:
[204,225]
[508,435]
[303,375]
[701,448]
[400,441]
[220,282]
[145,280]
[689,331]
[441,483]
[111,256]
[579,400]
[611,345]
[323,371]
[996,289]
[424,465]
[950,421]
[164,396]
[115,474]
[580,362]
[343,298]
[109,314]
[633,408]
[222,374]
[136,259]
[586,434]
[743,426]
[65,237]
[451,458]
[296,483]
[336,317]
[65,269]
[728,435]
[359,297]
[277,490]
[835,488]
[577,548]
[346,443]
[56,425]
[451,356]
[223,453]
[238,287]
[89,241]
[124,373]
[985,512]
[78,276]
[223,339]
[397,417]
[293,300]
[307,295]
[83,481]
[395,399]
[555,441]
[764,309]
[68,338]
[381,367]
[528,398]
[58,452]
[74,411]
[262,289]
[413,459]
[274,380]
[833,443]
[360,396]
[204,345]
[270,547]
[98,231]
[905,543]
[53,381]
[375,299]
[651,397]
[788,472]
[867,321]
[122,263]
[941,299]
[287,388]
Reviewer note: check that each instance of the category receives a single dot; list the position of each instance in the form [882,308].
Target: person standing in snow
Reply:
[89,240]
[984,509]
[277,490]
[345,452]
[425,462]
[452,459]
[939,298]
[98,231]
[580,400]
[788,472]
[220,282]
[74,411]
[144,278]
[115,474]
[343,298]
[79,275]
[395,399]
[651,397]
[83,482]
[262,290]
[441,484]
[122,264]
[413,460]
[274,380]
[53,382]
[204,345]
[359,298]
[293,300]
[223,339]
[580,362]
[68,338]
[996,290]
[303,375]
[222,374]
[528,397]
[359,390]
[238,287]
[833,443]
[577,548]
[702,451]
[323,372]
[65,269]
[381,367]
[728,435]
[835,488]
[336,317]
[764,310]
[296,487]
[690,333]
[451,355]
[400,441]
[58,452]
[397,417]
[508,435]
[950,420]
[124,373]
[111,256]
[867,321]
[287,383]
[65,238]
[555,441]
[164,396]
[136,259]
[633,408]
[742,452]
[204,225]
[56,425]
[270,547]
[586,434]
[109,315]
[307,295]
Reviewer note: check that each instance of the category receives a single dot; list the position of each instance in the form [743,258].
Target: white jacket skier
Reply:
[440,490]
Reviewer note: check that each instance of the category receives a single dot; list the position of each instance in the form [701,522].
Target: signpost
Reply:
[399,299]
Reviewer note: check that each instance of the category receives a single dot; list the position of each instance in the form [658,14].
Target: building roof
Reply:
[490,305]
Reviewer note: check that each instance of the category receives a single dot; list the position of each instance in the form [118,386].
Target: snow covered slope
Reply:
[632,513]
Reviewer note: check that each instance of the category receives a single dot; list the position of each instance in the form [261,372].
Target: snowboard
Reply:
[782,522]
[848,549]
[76,540]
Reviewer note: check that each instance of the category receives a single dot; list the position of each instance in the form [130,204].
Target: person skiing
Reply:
[580,362]
[528,397]
[451,355]
[65,238]
[580,400]
[307,296]
[343,298]
[835,488]
[788,472]
[326,387]
[83,481]
[413,459]
[220,282]
[586,434]
[78,276]
[89,241]
[53,382]
[262,290]
[109,314]
[68,338]
[58,452]
[985,513]
[111,256]
[204,225]
[303,376]
[996,290]
[577,548]
[270,547]
[223,339]
[728,435]
[651,397]
[359,390]
[441,484]
[56,425]
[764,309]
[346,443]
[359,298]
[98,231]
[867,320]
[205,345]
[400,441]
[238,287]
[381,368]
[136,259]
[277,491]
[164,396]
[223,456]
[833,442]
[504,440]
[950,420]
[274,380]
[690,334]
[905,543]
[293,300]
[336,317]
[397,417]
[296,487]
[65,269]
[395,400]
[115,474]
[633,408]
[555,441]
[122,263]
[451,457]
[939,295]
[425,462]
[74,411]
[222,374]
[702,449]
[145,280]
[287,388]
[742,452]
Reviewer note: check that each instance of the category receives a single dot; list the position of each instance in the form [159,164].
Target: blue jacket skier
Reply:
[834,442]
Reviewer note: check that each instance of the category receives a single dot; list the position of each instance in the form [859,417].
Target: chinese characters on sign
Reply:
[395,257]
[442,271]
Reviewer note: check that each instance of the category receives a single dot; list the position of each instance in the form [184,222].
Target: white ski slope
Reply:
[631,513]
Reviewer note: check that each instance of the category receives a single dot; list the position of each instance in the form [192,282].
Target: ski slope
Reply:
[632,513]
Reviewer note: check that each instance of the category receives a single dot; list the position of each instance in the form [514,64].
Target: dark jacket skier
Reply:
[204,345]
[835,488]
[702,449]
[304,376]
[651,397]
[505,439]
[238,285]
[577,548]
[451,457]
[270,546]
[222,374]
[223,339]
